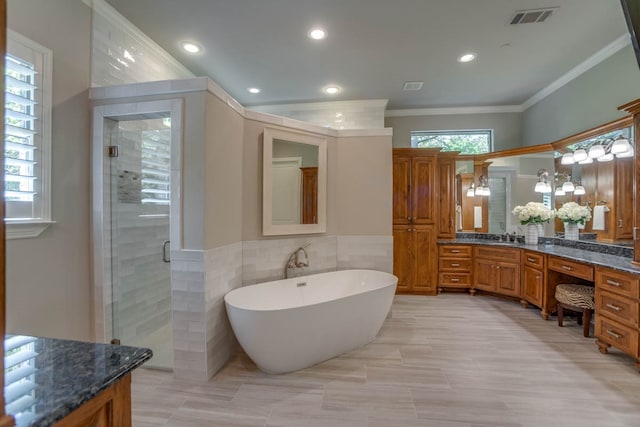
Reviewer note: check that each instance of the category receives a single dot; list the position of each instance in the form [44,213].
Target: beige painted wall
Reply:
[223,171]
[364,191]
[359,184]
[48,277]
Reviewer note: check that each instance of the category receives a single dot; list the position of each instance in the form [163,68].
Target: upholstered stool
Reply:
[576,298]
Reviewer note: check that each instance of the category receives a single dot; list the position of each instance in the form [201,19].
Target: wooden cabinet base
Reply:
[112,407]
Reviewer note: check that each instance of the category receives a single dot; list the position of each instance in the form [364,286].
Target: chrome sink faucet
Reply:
[296,260]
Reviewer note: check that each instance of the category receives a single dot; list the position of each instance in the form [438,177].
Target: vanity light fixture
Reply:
[629,153]
[542,186]
[620,145]
[191,47]
[606,158]
[467,57]
[568,187]
[471,192]
[567,159]
[580,155]
[560,191]
[483,187]
[580,190]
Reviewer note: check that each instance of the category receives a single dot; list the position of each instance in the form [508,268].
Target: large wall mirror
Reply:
[595,169]
[294,183]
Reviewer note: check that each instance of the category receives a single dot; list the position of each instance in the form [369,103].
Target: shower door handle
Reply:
[165,253]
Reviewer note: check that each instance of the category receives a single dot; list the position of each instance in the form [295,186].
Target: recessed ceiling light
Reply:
[253,90]
[191,47]
[332,89]
[467,57]
[317,33]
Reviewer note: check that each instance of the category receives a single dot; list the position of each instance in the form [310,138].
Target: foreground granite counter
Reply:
[47,379]
[576,253]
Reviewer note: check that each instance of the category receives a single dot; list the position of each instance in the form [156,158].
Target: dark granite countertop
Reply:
[47,378]
[592,257]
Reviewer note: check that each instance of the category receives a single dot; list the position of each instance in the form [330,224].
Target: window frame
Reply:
[33,227]
[488,132]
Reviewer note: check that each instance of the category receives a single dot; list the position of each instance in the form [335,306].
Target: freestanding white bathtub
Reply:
[292,324]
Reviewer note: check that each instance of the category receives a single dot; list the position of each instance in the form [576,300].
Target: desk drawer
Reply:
[618,335]
[571,268]
[620,283]
[452,264]
[454,251]
[617,307]
[534,259]
[498,254]
[455,280]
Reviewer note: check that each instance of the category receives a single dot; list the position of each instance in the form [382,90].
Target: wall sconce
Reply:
[483,187]
[542,186]
[603,151]
[481,190]
[568,186]
[471,192]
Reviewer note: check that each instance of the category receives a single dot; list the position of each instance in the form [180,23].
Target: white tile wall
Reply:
[121,53]
[368,252]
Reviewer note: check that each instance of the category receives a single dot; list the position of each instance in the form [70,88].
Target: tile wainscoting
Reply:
[203,339]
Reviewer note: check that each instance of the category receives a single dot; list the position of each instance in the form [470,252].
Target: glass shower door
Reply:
[140,165]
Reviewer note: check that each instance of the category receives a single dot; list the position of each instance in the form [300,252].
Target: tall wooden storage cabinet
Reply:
[416,197]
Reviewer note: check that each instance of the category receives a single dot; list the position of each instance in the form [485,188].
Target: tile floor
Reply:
[447,361]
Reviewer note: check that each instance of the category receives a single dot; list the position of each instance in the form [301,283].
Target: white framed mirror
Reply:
[294,183]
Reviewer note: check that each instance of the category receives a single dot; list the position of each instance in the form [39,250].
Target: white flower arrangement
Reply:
[533,213]
[574,213]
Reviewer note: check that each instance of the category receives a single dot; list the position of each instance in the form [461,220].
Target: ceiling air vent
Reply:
[531,16]
[408,86]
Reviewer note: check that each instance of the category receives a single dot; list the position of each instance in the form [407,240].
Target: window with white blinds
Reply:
[27,130]
[19,371]
[156,165]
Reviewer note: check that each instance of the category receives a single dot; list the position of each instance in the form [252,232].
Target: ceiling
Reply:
[374,46]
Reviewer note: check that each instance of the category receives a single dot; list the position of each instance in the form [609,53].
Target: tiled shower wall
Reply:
[203,339]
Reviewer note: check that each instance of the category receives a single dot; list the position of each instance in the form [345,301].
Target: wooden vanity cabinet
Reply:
[610,183]
[618,312]
[534,278]
[454,266]
[561,270]
[496,270]
[415,210]
[415,259]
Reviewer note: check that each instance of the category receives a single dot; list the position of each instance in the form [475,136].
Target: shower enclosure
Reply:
[134,151]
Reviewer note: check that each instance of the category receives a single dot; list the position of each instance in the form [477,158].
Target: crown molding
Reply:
[454,111]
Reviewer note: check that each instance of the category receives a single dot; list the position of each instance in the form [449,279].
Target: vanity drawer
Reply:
[618,335]
[534,259]
[462,280]
[498,254]
[452,264]
[620,283]
[617,307]
[571,268]
[454,251]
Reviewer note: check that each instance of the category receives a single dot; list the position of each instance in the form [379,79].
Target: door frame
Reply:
[100,219]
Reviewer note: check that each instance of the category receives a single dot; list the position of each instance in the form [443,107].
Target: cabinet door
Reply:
[309,195]
[446,198]
[508,279]
[483,277]
[403,257]
[426,265]
[623,201]
[423,191]
[401,190]
[532,282]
